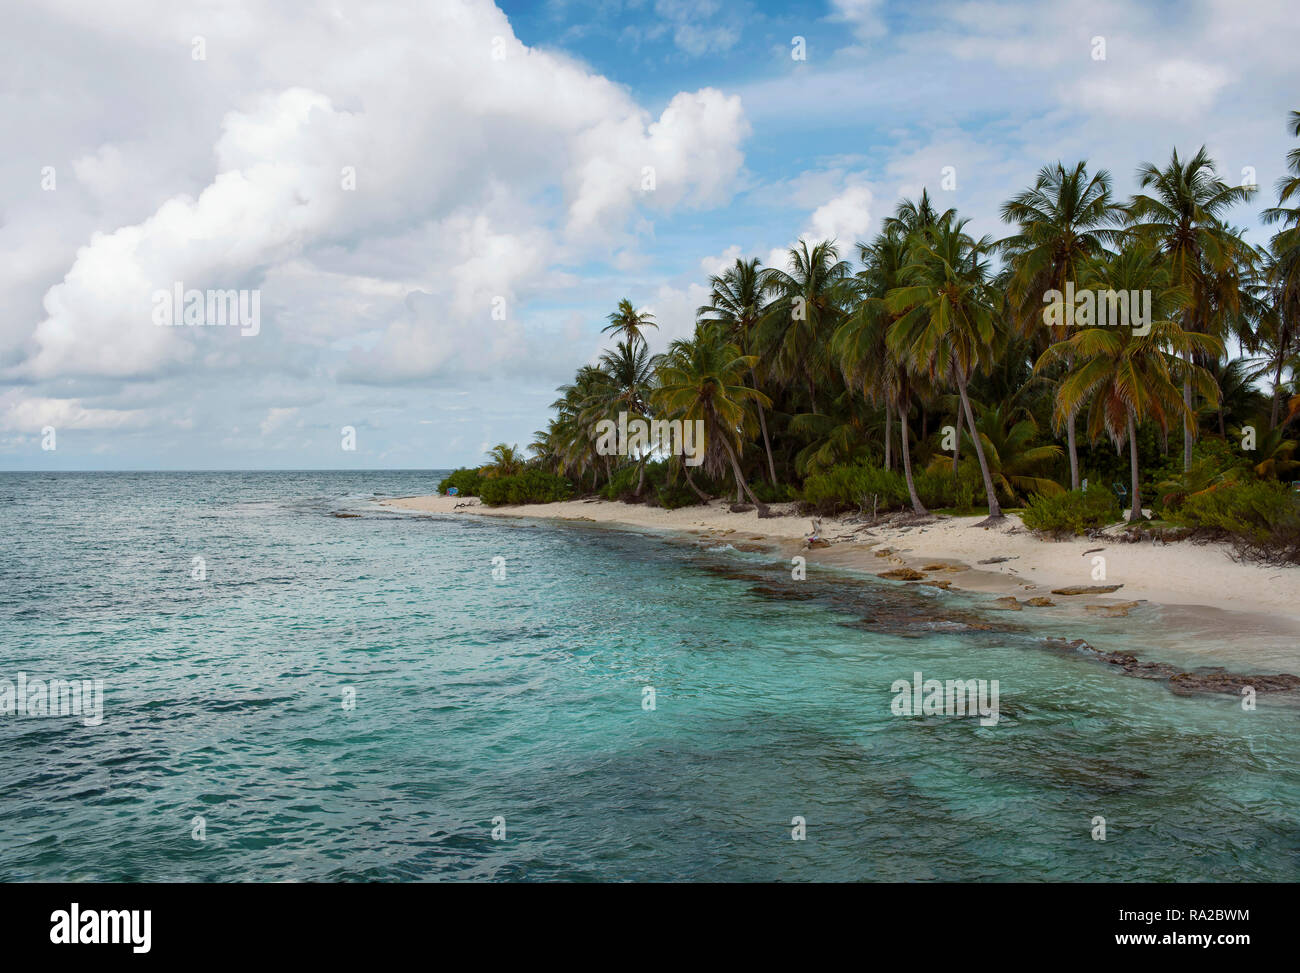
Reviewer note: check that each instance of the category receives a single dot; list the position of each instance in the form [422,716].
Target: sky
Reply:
[436,204]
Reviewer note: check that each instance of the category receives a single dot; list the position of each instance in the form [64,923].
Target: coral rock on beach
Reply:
[1087,589]
[902,574]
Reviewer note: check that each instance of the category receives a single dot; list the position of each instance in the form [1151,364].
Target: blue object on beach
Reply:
[453,491]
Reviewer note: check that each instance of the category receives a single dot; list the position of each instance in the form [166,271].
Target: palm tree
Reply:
[703,378]
[737,303]
[1063,220]
[916,217]
[795,330]
[1184,216]
[629,322]
[631,375]
[1275,307]
[947,312]
[1129,378]
[1014,462]
[570,435]
[504,460]
[1283,267]
[862,349]
[838,437]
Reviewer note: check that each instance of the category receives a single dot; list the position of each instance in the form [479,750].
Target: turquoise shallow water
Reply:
[521,698]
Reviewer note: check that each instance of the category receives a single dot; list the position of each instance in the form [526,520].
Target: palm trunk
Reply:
[995,509]
[1187,424]
[640,480]
[1277,390]
[956,451]
[691,483]
[762,423]
[1074,452]
[1070,442]
[1134,515]
[917,506]
[740,480]
[889,440]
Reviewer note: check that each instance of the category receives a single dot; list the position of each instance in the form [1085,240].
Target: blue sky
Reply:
[497,153]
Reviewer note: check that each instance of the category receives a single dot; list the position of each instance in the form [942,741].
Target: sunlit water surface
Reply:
[521,698]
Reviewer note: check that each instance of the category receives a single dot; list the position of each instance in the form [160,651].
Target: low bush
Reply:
[672,497]
[1253,510]
[531,486]
[851,487]
[465,481]
[1073,512]
[622,485]
[781,493]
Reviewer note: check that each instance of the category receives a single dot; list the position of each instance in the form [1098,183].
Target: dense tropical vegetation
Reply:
[927,375]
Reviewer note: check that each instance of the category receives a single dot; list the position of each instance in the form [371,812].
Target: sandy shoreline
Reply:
[1239,611]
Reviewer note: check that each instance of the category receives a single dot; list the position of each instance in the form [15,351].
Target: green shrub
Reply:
[530,486]
[849,487]
[781,493]
[1073,512]
[465,481]
[1252,509]
[672,497]
[622,484]
[936,490]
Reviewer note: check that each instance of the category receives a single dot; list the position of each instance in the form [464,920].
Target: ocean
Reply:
[293,695]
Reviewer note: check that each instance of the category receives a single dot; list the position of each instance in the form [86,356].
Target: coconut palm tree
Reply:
[1276,335]
[809,302]
[630,323]
[917,216]
[703,378]
[1063,220]
[1283,268]
[1132,378]
[863,352]
[631,380]
[504,461]
[947,313]
[1015,463]
[737,302]
[1183,214]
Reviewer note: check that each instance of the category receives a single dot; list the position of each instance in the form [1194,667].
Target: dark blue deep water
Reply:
[520,698]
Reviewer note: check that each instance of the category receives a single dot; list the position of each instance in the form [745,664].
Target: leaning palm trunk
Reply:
[917,506]
[740,480]
[956,448]
[690,482]
[995,510]
[762,424]
[1187,428]
[1134,515]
